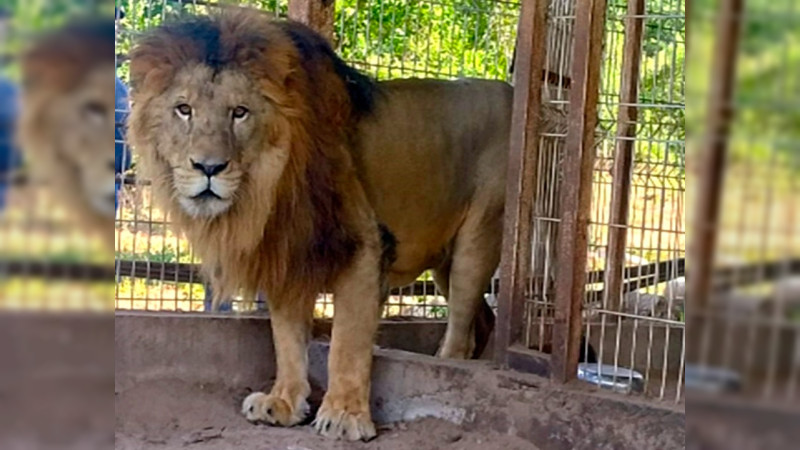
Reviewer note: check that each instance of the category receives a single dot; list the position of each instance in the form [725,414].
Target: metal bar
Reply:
[317,14]
[624,156]
[710,175]
[674,323]
[577,188]
[523,154]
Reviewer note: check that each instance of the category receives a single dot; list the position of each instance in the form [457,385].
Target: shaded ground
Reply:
[171,415]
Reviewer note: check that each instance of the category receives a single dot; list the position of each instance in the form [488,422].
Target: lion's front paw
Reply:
[271,409]
[340,424]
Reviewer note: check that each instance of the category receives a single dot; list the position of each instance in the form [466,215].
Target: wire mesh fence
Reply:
[635,323]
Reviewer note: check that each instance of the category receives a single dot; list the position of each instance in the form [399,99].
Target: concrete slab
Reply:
[237,353]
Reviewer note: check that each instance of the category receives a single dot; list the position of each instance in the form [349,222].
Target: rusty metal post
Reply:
[710,175]
[317,14]
[576,189]
[523,154]
[624,155]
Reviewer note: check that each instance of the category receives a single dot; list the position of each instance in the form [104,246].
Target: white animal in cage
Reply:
[645,304]
[675,290]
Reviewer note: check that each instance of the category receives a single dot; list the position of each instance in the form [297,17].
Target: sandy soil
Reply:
[171,415]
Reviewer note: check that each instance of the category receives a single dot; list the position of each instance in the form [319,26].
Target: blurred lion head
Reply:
[66,127]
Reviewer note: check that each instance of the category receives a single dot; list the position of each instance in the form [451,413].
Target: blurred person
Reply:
[9,157]
[122,156]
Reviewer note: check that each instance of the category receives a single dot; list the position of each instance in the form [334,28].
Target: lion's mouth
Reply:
[206,195]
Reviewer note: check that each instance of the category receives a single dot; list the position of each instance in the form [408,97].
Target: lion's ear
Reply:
[150,69]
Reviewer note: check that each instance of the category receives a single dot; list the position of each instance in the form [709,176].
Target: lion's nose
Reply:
[210,169]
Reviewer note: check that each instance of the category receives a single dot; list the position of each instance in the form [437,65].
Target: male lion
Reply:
[66,127]
[292,173]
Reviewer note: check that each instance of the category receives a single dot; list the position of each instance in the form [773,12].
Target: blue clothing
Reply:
[10,158]
[122,155]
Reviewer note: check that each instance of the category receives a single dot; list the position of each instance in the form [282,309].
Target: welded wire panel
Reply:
[640,324]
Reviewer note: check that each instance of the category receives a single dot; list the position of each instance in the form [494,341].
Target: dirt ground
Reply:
[172,415]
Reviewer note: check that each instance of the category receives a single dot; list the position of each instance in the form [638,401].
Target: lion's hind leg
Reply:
[476,253]
[286,404]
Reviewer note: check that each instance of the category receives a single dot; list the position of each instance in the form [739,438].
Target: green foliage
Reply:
[768,90]
[397,38]
[661,130]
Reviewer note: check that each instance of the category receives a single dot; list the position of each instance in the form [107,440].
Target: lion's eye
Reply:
[95,111]
[183,111]
[240,113]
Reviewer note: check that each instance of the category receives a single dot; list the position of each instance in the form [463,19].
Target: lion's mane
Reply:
[294,239]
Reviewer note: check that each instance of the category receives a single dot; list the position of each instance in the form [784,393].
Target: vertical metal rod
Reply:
[576,189]
[523,154]
[624,155]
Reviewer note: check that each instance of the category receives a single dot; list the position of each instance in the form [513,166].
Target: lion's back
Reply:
[427,151]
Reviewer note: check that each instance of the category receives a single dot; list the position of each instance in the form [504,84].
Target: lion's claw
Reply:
[339,424]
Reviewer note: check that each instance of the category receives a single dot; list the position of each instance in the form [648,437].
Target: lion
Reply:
[66,126]
[292,173]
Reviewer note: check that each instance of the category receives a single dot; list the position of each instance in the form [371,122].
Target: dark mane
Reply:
[360,87]
[205,35]
[202,34]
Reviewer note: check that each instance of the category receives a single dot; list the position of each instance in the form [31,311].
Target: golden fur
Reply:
[66,126]
[328,181]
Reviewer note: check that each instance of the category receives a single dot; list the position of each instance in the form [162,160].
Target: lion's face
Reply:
[212,129]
